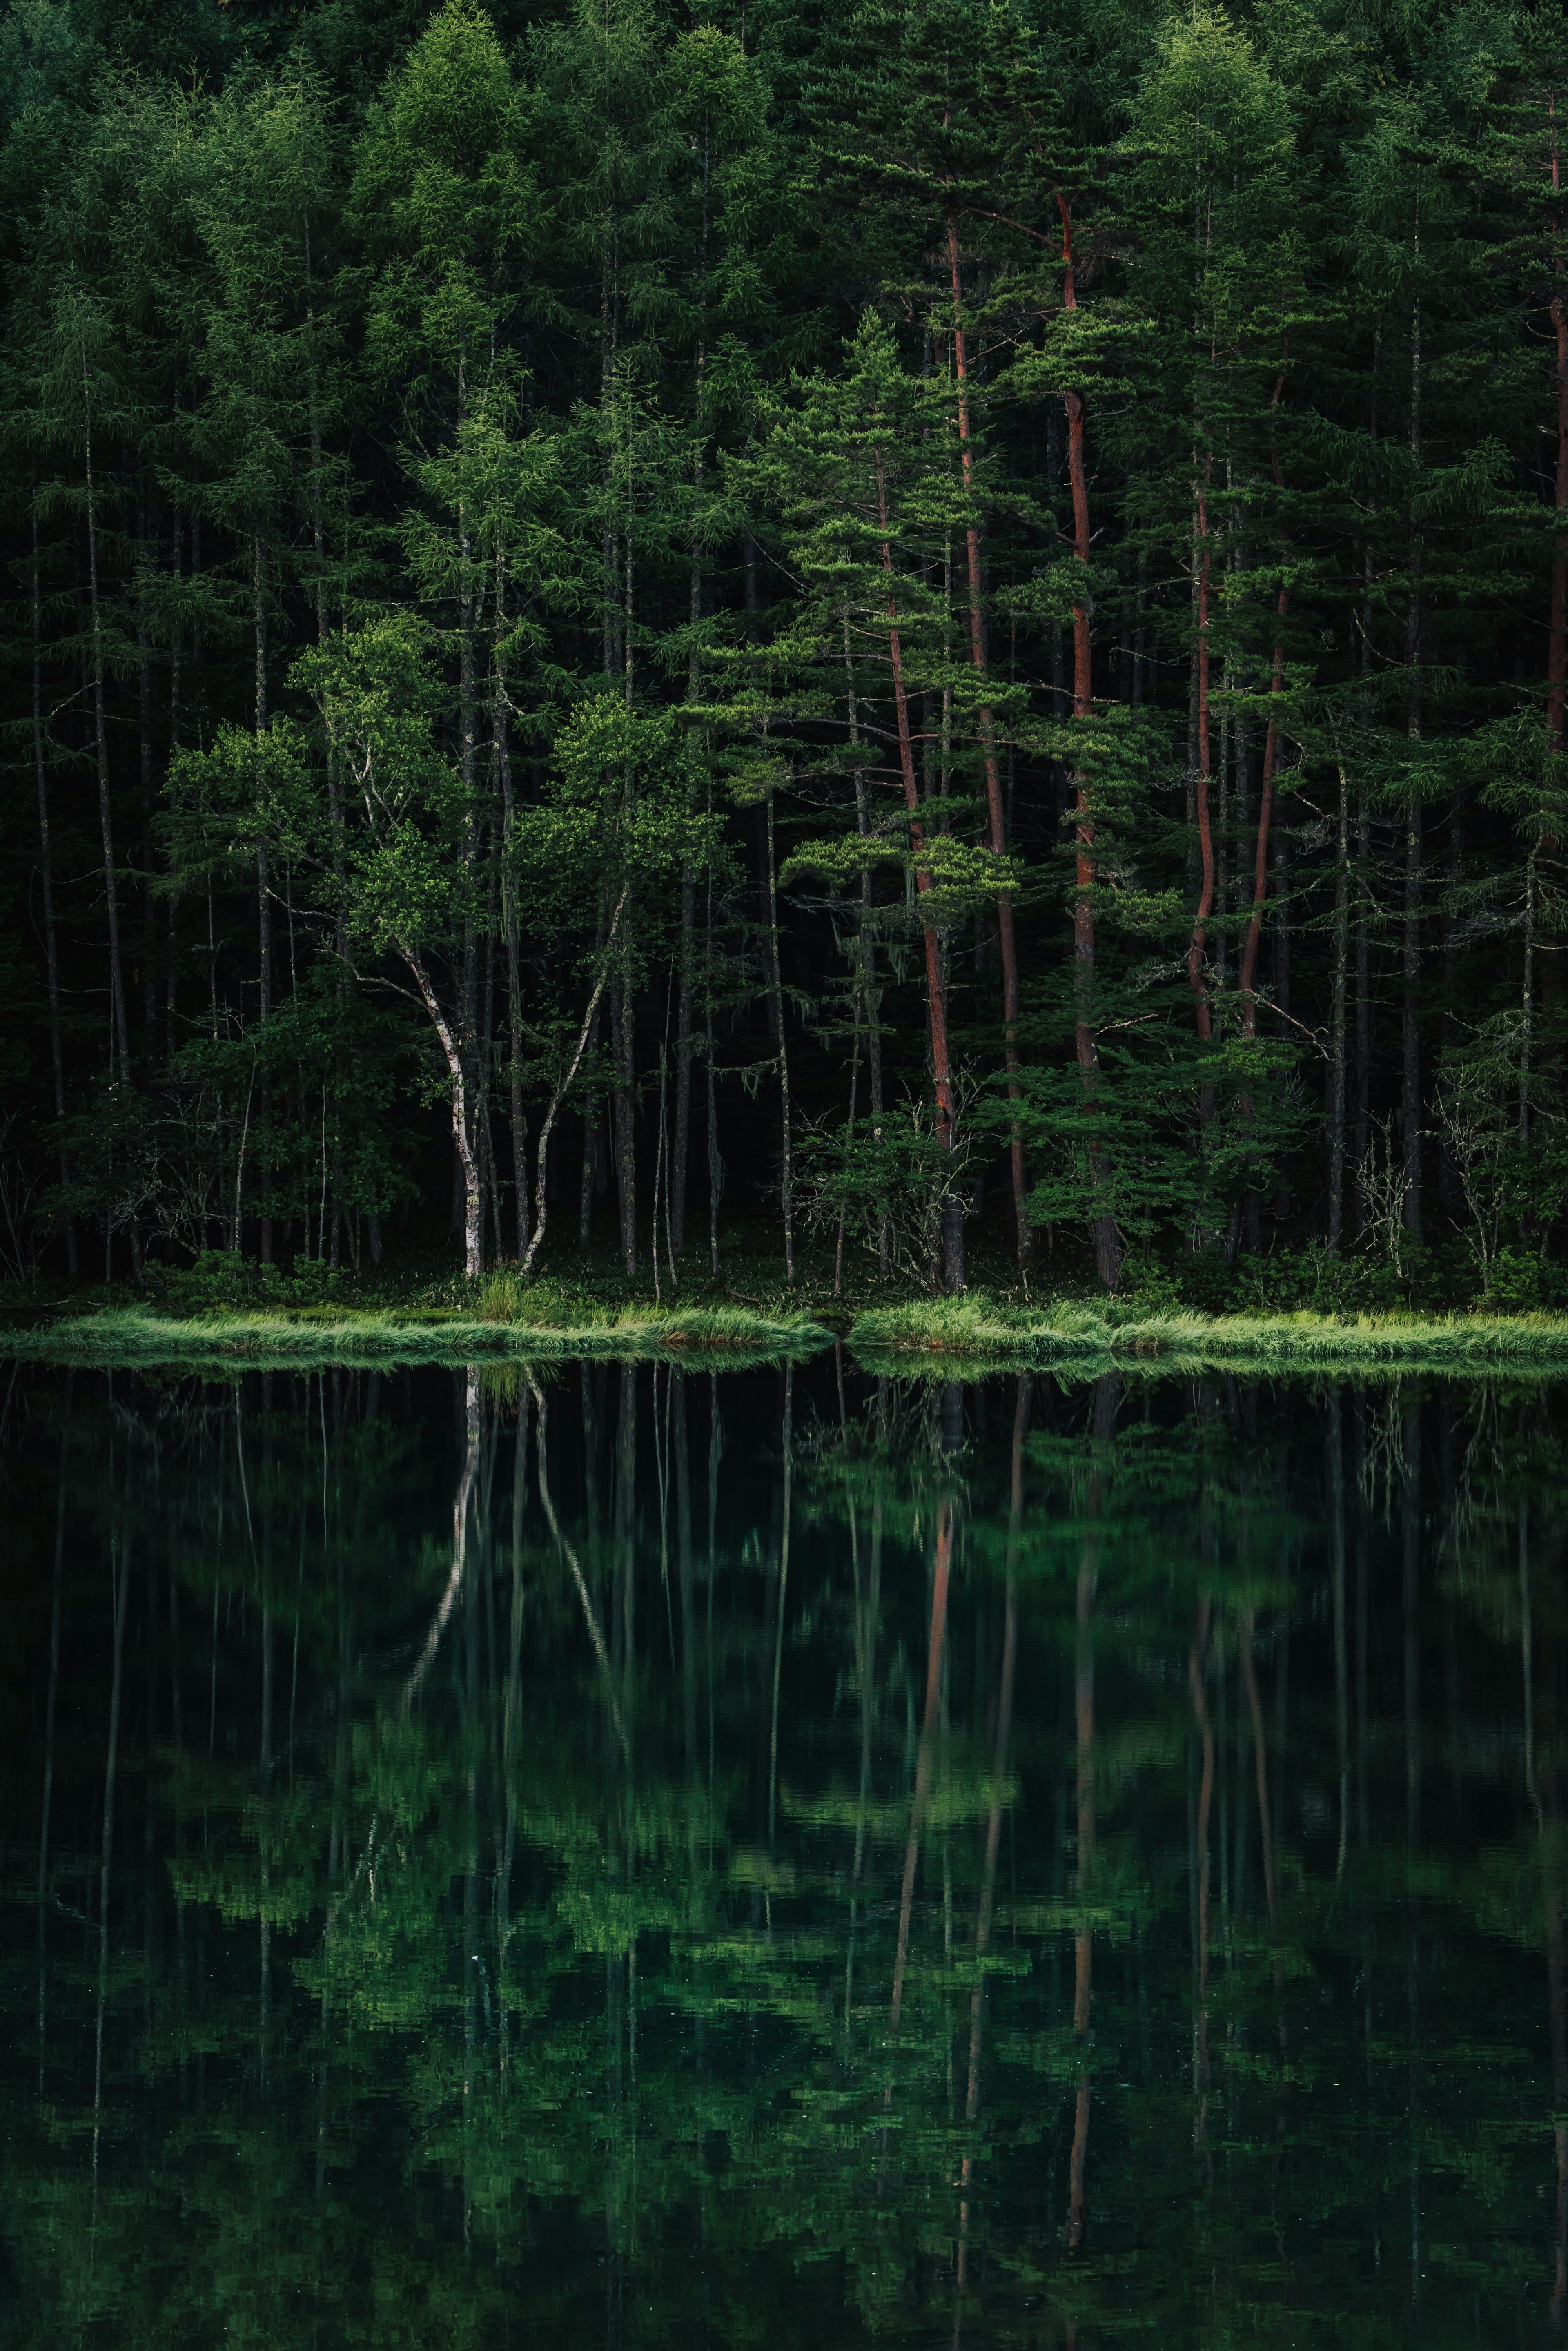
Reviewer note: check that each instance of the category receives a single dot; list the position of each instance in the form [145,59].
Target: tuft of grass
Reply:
[380,1340]
[976,1331]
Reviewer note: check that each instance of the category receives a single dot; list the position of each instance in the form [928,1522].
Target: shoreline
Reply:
[923,1337]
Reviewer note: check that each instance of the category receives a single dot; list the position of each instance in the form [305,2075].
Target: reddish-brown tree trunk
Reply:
[1247,979]
[996,824]
[936,980]
[1202,1012]
[1107,1243]
[1557,645]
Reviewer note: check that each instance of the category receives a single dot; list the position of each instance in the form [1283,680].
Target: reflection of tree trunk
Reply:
[993,1825]
[1543,1788]
[867,1610]
[1083,1713]
[49,1750]
[1410,1598]
[459,1537]
[1260,1763]
[1194,1673]
[783,1589]
[106,1851]
[1341,1655]
[925,1758]
[589,1613]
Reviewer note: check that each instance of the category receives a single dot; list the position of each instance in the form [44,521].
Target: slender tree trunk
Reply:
[588,1030]
[501,724]
[264,910]
[997,837]
[1362,1126]
[1527,1005]
[935,977]
[1107,1240]
[119,1031]
[462,1134]
[868,995]
[146,551]
[1557,638]
[1411,1057]
[1202,554]
[51,941]
[1410,1097]
[1247,980]
[714,1163]
[623,1012]
[776,988]
[1336,1020]
[681,1151]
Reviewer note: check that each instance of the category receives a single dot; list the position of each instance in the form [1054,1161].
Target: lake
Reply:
[631,1856]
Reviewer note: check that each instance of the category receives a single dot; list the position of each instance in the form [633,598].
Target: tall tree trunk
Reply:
[51,941]
[464,1124]
[146,551]
[1361,1132]
[1247,980]
[1202,558]
[1336,1020]
[868,995]
[1411,1056]
[681,1150]
[714,1162]
[1557,641]
[501,728]
[1107,1240]
[935,977]
[264,911]
[776,988]
[623,1012]
[997,836]
[118,1031]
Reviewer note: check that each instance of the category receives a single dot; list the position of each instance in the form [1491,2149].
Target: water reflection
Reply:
[630,1856]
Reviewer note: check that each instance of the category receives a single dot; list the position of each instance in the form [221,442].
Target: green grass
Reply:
[504,1319]
[976,1331]
[725,1335]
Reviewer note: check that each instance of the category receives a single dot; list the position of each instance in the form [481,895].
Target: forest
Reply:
[922,642]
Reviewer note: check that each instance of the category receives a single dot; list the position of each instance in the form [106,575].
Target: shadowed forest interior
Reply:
[918,638]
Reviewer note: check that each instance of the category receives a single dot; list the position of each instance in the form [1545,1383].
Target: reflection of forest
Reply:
[774,1860]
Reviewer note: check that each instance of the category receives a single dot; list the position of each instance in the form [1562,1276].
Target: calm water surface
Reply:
[782,1859]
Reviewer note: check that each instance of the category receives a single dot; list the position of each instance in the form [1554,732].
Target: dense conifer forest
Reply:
[927,638]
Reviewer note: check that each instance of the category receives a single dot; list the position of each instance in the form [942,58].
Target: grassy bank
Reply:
[976,1333]
[726,1337]
[502,1319]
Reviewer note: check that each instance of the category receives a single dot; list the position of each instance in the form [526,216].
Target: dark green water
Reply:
[759,1861]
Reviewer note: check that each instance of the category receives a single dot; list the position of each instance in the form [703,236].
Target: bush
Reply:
[222,1282]
[1524,1284]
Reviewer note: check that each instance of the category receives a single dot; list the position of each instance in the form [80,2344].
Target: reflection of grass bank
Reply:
[975,1334]
[725,1335]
